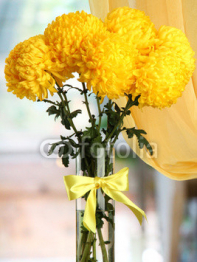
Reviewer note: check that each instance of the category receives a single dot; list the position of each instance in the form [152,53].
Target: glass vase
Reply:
[99,246]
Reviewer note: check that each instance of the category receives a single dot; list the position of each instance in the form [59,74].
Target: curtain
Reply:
[172,131]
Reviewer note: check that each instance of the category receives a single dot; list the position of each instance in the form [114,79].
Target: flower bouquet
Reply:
[125,56]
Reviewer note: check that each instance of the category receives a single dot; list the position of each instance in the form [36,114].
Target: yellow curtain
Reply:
[172,131]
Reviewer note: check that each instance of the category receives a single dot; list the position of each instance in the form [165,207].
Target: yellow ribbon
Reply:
[77,186]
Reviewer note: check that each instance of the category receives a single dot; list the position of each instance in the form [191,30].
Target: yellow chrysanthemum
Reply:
[26,70]
[107,64]
[163,74]
[161,79]
[65,35]
[134,26]
[172,38]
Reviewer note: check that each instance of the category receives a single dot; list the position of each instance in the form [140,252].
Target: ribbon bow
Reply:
[77,186]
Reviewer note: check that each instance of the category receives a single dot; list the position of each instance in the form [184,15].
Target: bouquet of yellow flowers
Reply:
[123,56]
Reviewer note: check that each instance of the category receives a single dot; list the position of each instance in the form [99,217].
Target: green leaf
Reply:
[75,113]
[104,131]
[52,148]
[108,106]
[52,110]
[128,112]
[91,132]
[61,151]
[110,207]
[64,118]
[109,168]
[65,161]
[90,94]
[66,123]
[97,139]
[130,102]
[74,155]
[133,131]
[95,145]
[142,141]
[117,108]
[64,152]
[99,221]
[73,143]
[113,118]
[63,138]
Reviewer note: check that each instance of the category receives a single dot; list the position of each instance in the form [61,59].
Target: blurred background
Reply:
[37,222]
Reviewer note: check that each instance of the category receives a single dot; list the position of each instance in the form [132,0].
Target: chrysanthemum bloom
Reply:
[163,76]
[107,64]
[134,26]
[158,80]
[172,38]
[65,35]
[26,70]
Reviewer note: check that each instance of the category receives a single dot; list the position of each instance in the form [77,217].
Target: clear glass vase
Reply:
[98,247]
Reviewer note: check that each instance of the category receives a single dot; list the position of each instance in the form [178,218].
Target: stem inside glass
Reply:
[99,246]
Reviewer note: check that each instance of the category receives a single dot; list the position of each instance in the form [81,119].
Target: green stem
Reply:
[110,106]
[114,141]
[99,110]
[94,247]
[87,246]
[86,102]
[87,166]
[65,97]
[117,125]
[114,129]
[67,112]
[82,241]
[102,244]
[49,101]
[73,125]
